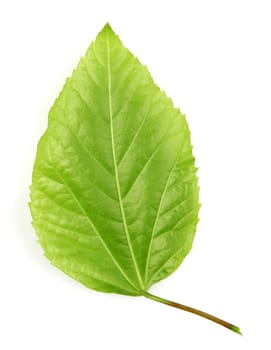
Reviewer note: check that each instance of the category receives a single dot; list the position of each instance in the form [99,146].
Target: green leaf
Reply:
[114,195]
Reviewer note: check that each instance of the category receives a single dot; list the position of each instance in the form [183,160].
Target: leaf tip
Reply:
[107,28]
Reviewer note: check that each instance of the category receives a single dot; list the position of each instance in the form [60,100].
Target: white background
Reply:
[213,58]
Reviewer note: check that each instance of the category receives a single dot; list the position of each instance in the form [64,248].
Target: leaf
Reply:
[114,195]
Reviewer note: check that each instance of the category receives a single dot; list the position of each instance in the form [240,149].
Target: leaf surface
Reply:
[114,195]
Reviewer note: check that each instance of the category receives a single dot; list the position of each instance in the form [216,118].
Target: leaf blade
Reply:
[111,132]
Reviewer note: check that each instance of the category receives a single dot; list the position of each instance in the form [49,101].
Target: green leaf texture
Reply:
[114,195]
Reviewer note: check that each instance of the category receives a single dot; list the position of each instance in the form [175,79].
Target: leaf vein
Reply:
[89,154]
[163,265]
[176,205]
[84,101]
[95,230]
[134,138]
[146,164]
[89,74]
[177,223]
[161,202]
[116,168]
[96,56]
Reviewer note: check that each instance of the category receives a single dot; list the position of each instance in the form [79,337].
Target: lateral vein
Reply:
[160,206]
[94,228]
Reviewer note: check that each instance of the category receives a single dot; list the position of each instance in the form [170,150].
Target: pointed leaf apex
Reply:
[107,28]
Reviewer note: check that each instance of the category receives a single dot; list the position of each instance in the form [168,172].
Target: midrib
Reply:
[116,168]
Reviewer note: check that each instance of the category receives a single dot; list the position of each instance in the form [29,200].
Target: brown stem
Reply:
[194,311]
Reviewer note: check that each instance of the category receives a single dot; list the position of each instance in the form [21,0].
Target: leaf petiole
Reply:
[193,311]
